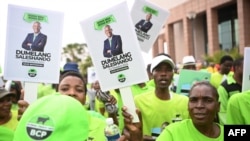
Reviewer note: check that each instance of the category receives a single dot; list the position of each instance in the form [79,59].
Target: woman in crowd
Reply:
[72,84]
[203,105]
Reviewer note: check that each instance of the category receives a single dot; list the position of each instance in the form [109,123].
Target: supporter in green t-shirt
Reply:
[226,63]
[72,84]
[238,109]
[203,105]
[232,85]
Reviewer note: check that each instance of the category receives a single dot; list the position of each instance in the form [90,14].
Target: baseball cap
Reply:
[70,66]
[188,60]
[53,117]
[161,58]
[4,92]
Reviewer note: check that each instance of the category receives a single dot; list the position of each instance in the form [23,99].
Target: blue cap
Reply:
[71,66]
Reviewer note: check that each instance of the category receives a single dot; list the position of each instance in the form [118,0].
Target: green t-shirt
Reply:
[224,96]
[155,111]
[217,78]
[137,90]
[6,134]
[185,131]
[45,89]
[96,127]
[12,123]
[238,109]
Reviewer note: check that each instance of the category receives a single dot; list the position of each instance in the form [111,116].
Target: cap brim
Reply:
[189,64]
[159,59]
[6,93]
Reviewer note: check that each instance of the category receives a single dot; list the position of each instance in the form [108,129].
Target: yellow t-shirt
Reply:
[12,123]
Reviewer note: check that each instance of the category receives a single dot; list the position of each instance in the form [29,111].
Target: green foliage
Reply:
[77,53]
[215,58]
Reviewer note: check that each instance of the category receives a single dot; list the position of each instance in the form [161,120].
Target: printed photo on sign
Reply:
[114,48]
[35,53]
[92,76]
[148,20]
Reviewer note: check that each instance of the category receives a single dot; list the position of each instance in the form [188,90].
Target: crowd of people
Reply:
[74,109]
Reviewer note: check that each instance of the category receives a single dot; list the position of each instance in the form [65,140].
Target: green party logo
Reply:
[32,72]
[121,78]
[40,127]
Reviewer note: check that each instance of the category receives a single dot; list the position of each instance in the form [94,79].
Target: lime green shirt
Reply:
[136,89]
[45,89]
[224,96]
[12,123]
[238,109]
[186,131]
[156,111]
[96,127]
[6,134]
[217,78]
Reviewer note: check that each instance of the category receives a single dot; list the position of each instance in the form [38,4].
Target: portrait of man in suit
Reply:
[145,24]
[113,43]
[35,41]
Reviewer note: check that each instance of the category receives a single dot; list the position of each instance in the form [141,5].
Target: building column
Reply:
[188,36]
[212,29]
[243,7]
[155,49]
[170,40]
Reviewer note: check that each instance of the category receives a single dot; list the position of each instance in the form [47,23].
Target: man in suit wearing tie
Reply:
[113,44]
[35,41]
[145,25]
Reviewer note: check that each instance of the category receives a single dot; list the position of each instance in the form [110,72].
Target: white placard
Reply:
[124,66]
[30,92]
[246,70]
[127,99]
[39,62]
[147,31]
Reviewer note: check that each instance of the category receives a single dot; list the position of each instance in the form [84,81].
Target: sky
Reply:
[74,12]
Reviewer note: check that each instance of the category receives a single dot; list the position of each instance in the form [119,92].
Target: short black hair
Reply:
[73,73]
[226,58]
[206,83]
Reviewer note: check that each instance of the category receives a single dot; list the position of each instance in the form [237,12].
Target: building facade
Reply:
[199,27]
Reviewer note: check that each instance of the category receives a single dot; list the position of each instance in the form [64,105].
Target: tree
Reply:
[78,53]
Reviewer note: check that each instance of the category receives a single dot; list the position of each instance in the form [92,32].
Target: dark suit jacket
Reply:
[38,44]
[144,27]
[116,46]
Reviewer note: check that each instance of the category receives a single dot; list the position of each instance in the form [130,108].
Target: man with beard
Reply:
[161,105]
[232,85]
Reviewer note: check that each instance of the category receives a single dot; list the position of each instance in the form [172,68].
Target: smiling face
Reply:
[163,75]
[73,86]
[108,31]
[203,103]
